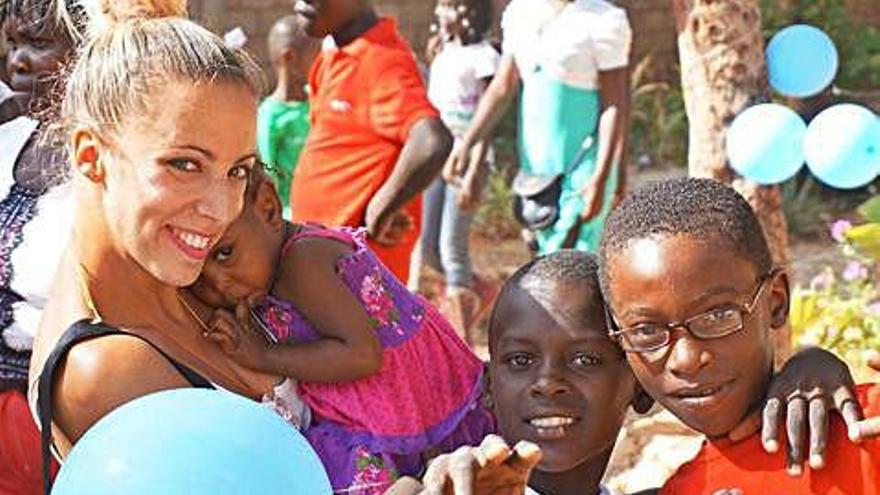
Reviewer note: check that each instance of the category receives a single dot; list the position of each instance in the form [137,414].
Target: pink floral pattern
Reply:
[379,302]
[373,477]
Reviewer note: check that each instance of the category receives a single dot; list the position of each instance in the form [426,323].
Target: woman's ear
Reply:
[780,298]
[86,153]
[267,204]
[642,402]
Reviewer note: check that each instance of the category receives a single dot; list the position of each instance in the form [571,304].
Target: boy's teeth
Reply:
[551,422]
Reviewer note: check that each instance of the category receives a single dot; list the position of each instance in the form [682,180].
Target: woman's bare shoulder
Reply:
[104,373]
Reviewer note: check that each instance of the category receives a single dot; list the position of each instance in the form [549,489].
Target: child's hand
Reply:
[810,385]
[457,164]
[471,189]
[493,468]
[237,337]
[390,232]
[594,198]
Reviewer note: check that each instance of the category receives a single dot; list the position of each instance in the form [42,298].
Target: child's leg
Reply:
[427,250]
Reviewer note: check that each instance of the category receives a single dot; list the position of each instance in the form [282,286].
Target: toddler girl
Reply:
[388,381]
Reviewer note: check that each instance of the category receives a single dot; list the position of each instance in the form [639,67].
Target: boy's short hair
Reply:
[285,33]
[566,267]
[701,208]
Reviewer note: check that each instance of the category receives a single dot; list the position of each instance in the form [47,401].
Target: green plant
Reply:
[841,311]
[658,132]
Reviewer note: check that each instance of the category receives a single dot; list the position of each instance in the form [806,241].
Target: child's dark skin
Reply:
[425,149]
[557,380]
[247,263]
[37,51]
[712,385]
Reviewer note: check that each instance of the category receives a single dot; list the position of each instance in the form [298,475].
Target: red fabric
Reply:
[21,464]
[366,96]
[852,469]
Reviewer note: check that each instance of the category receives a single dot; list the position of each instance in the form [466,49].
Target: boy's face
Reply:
[556,378]
[36,54]
[709,384]
[241,265]
[321,18]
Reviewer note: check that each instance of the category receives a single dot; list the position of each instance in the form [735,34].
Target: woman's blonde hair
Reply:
[136,46]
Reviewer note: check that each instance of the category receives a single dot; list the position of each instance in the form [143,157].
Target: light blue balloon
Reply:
[194,442]
[765,143]
[842,146]
[801,61]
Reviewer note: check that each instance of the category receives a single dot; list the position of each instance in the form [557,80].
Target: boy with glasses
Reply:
[693,298]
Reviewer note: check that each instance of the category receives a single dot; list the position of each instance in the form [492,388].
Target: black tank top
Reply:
[79,332]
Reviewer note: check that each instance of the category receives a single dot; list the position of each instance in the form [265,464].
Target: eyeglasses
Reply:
[714,324]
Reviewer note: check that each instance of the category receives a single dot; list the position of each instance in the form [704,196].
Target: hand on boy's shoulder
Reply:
[851,468]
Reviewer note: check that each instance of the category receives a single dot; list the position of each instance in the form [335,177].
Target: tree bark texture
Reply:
[723,71]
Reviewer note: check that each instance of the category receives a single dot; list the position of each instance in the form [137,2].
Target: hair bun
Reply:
[104,13]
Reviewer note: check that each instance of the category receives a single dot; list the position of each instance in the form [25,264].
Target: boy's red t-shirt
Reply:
[366,96]
[851,469]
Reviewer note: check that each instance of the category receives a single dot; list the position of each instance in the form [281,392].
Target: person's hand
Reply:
[594,198]
[812,383]
[470,191]
[870,427]
[237,336]
[390,230]
[456,165]
[493,468]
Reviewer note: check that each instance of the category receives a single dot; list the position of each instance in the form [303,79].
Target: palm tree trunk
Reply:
[723,71]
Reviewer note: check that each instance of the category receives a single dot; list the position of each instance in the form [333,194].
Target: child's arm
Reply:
[349,348]
[474,176]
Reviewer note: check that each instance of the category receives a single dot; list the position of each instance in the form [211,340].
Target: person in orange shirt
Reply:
[693,298]
[376,141]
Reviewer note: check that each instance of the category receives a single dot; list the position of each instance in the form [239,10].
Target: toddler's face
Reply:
[557,379]
[241,265]
[450,14]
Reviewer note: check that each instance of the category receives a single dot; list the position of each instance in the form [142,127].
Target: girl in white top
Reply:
[571,60]
[463,63]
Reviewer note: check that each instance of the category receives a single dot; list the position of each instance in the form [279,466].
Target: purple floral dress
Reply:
[425,400]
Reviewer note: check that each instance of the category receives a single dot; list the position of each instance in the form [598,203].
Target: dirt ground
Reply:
[651,447]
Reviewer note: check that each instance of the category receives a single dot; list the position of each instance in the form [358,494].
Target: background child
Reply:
[557,380]
[694,297]
[462,65]
[386,377]
[283,117]
[36,212]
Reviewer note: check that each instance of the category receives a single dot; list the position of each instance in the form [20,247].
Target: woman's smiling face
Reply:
[174,178]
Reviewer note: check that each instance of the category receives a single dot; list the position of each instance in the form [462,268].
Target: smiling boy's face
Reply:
[556,378]
[709,384]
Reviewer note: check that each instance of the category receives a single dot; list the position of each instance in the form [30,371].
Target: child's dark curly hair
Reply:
[476,23]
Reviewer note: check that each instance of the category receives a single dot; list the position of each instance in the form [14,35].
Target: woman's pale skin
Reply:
[153,197]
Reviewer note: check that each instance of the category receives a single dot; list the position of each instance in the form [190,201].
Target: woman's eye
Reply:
[223,253]
[184,164]
[240,172]
[520,360]
[585,360]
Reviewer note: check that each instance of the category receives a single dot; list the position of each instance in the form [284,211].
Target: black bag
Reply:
[536,197]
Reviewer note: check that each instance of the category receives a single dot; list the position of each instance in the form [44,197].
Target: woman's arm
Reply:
[614,95]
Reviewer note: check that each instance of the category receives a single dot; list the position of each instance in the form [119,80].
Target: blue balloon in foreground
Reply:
[842,146]
[765,143]
[801,61]
[193,442]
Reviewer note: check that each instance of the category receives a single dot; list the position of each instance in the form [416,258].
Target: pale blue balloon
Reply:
[842,146]
[193,442]
[801,61]
[765,143]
